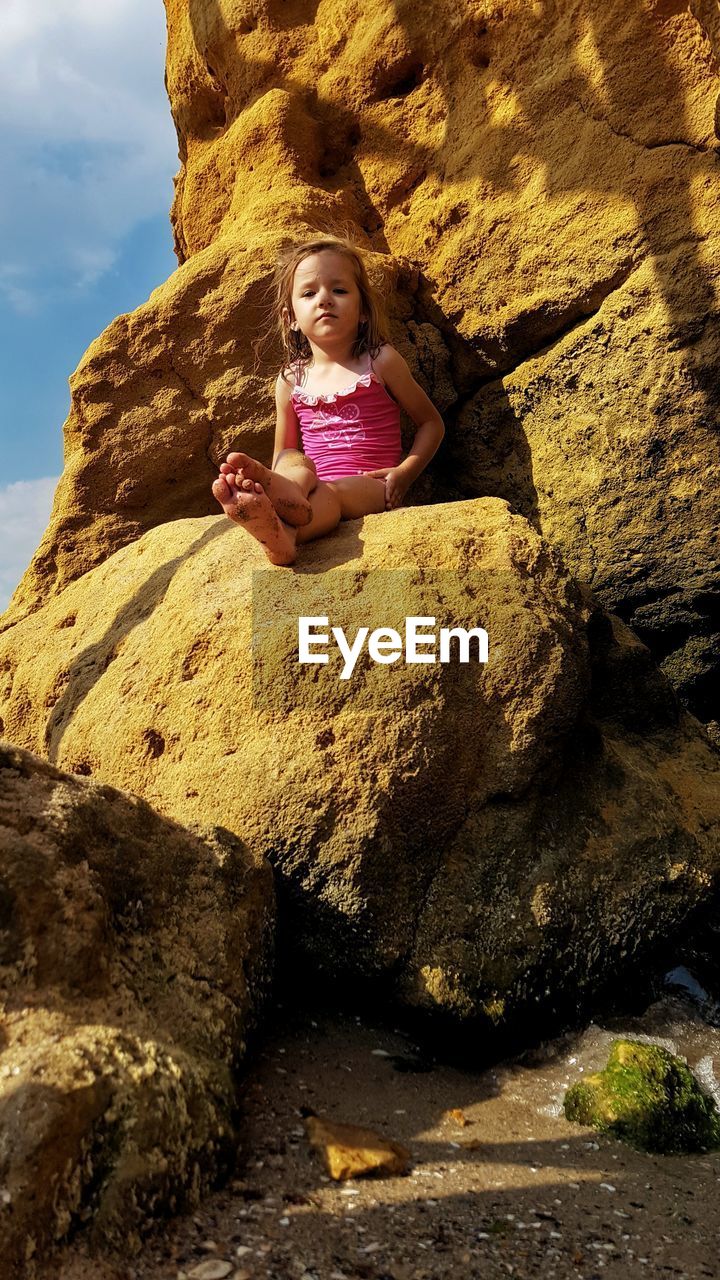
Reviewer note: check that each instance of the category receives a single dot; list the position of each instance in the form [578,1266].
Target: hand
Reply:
[397,483]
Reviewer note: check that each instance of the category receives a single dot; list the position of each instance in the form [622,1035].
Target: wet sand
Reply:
[517,1191]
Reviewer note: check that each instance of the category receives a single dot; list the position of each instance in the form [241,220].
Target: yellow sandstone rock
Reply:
[536,186]
[135,961]
[458,1116]
[350,1151]
[416,815]
[539,181]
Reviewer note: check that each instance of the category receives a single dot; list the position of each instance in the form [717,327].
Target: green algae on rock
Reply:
[648,1097]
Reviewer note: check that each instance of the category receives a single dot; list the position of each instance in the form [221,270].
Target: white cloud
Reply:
[87,144]
[24,513]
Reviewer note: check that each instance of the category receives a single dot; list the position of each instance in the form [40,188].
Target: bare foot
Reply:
[286,496]
[250,506]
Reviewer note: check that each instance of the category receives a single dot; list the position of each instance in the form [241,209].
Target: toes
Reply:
[221,490]
[243,462]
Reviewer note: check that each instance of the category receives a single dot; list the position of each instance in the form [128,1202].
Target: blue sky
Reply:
[87,153]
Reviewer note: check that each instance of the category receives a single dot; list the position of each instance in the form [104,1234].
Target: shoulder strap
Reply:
[370,369]
[297,369]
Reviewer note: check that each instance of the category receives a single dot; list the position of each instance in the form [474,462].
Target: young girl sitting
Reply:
[347,412]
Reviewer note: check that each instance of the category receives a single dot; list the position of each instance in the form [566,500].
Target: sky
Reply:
[88,152]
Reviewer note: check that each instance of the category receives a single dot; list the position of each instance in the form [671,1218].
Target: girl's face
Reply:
[326,300]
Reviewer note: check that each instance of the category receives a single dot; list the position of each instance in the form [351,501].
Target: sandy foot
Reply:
[250,507]
[285,495]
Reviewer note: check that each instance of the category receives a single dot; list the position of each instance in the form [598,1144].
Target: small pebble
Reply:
[213,1269]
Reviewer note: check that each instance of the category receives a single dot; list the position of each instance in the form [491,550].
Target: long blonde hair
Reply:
[297,352]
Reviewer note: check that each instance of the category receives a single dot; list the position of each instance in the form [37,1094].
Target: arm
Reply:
[410,395]
[286,427]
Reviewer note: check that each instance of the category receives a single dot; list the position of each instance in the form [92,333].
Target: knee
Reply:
[294,458]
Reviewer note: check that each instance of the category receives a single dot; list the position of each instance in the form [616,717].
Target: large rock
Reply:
[135,957]
[541,188]
[486,842]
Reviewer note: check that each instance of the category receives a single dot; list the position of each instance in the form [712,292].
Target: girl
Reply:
[347,411]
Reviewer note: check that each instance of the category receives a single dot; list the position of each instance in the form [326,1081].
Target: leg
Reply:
[327,513]
[344,499]
[250,507]
[359,496]
[298,467]
[287,485]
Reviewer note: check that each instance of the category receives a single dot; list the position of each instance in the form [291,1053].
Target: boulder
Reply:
[135,960]
[647,1097]
[484,841]
[548,177]
[536,190]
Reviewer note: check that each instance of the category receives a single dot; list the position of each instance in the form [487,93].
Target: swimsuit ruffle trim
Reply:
[363,381]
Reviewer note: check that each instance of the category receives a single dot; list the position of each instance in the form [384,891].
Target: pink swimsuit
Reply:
[350,431]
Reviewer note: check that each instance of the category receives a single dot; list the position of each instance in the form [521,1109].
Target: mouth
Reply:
[328,315]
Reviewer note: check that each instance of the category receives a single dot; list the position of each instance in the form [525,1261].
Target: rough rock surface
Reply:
[351,1151]
[540,182]
[648,1097]
[135,957]
[487,841]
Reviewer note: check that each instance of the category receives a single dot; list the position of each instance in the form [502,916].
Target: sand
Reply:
[516,1190]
